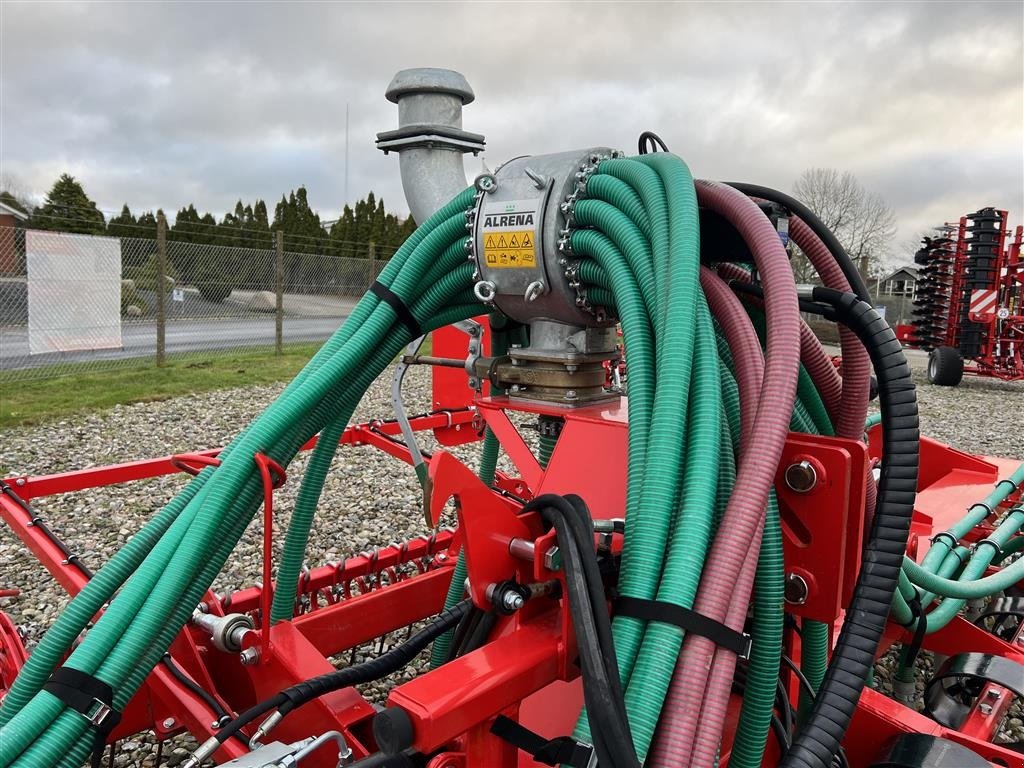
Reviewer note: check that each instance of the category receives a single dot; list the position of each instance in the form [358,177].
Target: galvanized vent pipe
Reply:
[429,140]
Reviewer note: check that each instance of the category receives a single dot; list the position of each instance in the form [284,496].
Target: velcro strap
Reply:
[401,311]
[687,620]
[563,750]
[91,698]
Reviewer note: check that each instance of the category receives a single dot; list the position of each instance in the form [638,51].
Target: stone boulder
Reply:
[262,301]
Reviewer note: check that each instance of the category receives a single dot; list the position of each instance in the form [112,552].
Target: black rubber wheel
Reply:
[945,366]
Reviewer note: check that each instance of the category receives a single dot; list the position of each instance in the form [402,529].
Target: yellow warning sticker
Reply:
[510,249]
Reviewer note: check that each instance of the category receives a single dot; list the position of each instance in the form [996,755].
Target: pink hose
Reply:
[823,373]
[856,374]
[817,362]
[743,343]
[729,571]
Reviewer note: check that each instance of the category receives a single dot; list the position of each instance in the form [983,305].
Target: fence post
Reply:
[161,285]
[373,264]
[279,291]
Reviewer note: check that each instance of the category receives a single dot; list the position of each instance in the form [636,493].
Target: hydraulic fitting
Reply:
[226,632]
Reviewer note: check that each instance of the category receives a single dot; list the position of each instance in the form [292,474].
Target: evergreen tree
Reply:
[186,226]
[68,209]
[124,224]
[147,224]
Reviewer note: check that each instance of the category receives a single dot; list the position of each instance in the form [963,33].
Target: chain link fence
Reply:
[898,308]
[72,303]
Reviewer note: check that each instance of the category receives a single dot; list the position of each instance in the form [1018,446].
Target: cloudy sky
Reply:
[164,104]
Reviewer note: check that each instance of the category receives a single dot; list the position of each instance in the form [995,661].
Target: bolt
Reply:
[442,556]
[534,290]
[570,394]
[485,182]
[801,477]
[20,481]
[553,559]
[249,657]
[538,180]
[511,601]
[985,708]
[168,723]
[796,589]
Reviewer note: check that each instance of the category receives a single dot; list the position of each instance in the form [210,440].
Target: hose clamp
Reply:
[954,542]
[992,543]
[981,504]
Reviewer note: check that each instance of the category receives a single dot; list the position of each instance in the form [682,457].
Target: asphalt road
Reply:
[139,339]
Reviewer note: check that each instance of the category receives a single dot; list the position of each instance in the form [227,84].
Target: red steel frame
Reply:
[1002,350]
[527,669]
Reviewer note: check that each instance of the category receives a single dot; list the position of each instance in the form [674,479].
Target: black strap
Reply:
[687,620]
[920,630]
[563,750]
[91,698]
[394,300]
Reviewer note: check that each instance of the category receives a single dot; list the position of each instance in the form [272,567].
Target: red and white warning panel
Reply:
[983,305]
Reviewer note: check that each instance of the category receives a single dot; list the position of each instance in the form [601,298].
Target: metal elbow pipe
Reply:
[429,139]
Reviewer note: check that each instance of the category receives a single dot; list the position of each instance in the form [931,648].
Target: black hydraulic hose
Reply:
[382,760]
[811,219]
[819,741]
[37,521]
[223,716]
[477,635]
[650,142]
[465,626]
[602,690]
[368,671]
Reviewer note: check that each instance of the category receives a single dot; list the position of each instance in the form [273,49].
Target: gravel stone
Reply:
[368,500]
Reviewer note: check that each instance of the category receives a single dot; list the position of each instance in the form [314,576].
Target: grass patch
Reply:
[37,400]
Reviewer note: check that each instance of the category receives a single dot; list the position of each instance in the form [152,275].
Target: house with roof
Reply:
[10,219]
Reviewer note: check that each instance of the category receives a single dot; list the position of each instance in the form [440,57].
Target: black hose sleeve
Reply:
[374,669]
[811,219]
[866,616]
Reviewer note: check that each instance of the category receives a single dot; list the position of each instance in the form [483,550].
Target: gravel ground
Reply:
[369,500]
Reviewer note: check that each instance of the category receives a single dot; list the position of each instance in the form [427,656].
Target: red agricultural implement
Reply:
[969,300]
[701,573]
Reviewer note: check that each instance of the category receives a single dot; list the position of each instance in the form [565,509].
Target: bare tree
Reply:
[864,223]
[15,189]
